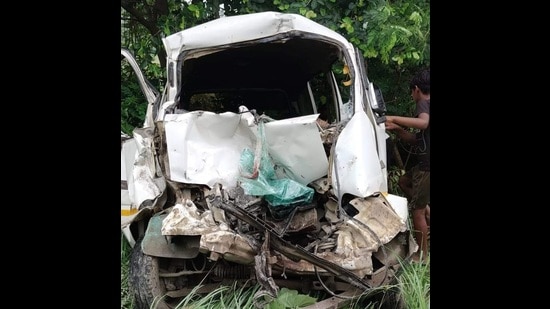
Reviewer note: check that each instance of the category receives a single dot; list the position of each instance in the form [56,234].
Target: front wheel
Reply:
[144,280]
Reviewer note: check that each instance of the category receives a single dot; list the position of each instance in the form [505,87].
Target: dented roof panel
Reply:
[244,28]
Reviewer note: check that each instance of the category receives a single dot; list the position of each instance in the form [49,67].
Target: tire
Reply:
[144,280]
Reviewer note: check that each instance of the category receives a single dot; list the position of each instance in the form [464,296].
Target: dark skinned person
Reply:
[416,132]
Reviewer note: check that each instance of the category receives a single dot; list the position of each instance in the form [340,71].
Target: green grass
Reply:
[414,285]
[221,298]
[231,297]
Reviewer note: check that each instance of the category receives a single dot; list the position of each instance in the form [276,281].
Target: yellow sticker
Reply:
[128,212]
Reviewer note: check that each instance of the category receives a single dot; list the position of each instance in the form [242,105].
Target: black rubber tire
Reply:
[144,280]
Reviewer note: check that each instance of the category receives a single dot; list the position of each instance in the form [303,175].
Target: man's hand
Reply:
[390,125]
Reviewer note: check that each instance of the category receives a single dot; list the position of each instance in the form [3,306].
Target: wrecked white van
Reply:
[262,161]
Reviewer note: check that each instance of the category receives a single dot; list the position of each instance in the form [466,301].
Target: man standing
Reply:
[420,140]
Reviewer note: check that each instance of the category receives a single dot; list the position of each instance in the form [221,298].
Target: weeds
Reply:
[220,298]
[414,285]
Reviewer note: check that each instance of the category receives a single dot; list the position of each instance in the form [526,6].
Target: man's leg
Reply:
[405,184]
[421,231]
[418,203]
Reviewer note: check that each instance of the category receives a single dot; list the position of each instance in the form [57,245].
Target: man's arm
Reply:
[406,136]
[421,122]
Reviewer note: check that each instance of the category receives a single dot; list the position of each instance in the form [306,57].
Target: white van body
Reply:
[267,124]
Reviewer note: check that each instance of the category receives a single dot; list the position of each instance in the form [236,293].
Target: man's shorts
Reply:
[420,188]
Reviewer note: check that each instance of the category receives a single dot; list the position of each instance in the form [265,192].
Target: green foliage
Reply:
[399,32]
[290,299]
[195,301]
[133,104]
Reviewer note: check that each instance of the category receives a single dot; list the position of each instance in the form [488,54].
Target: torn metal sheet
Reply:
[375,224]
[160,245]
[127,157]
[186,219]
[380,223]
[356,239]
[148,185]
[399,204]
[140,186]
[357,169]
[232,246]
[205,147]
[296,145]
[293,252]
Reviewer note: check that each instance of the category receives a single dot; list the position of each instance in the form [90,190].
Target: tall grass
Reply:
[414,284]
[223,297]
[235,297]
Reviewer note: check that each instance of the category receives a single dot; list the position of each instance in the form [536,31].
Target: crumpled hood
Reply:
[206,148]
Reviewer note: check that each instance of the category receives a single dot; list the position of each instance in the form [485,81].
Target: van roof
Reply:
[242,28]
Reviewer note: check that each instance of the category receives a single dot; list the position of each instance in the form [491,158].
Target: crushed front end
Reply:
[261,165]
